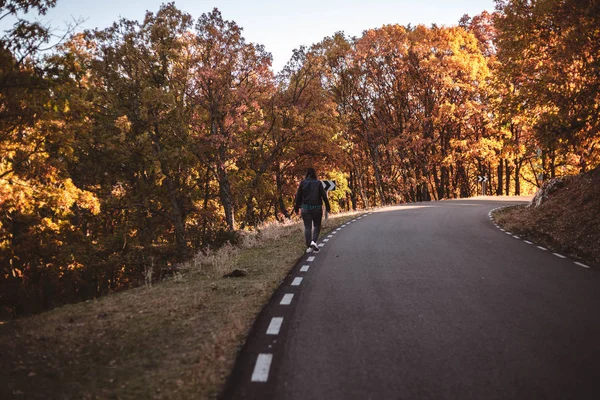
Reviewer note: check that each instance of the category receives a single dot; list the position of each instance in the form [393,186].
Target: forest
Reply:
[141,144]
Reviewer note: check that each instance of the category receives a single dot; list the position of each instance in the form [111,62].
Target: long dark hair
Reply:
[311,173]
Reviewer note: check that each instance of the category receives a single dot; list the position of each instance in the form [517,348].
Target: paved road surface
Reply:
[428,301]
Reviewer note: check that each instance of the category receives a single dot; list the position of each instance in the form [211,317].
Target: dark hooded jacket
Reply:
[311,195]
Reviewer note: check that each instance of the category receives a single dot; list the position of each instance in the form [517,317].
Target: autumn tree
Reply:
[230,78]
[547,51]
[129,148]
[304,125]
[140,112]
[411,102]
[37,192]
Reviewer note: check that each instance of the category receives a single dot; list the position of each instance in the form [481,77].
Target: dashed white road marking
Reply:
[531,243]
[321,244]
[582,265]
[326,240]
[275,326]
[343,226]
[287,299]
[262,367]
[310,259]
[330,236]
[304,268]
[297,281]
[338,229]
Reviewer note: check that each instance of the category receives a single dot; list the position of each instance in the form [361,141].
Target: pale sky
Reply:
[281,26]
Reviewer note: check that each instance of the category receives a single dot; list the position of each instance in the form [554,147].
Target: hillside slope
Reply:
[176,339]
[567,220]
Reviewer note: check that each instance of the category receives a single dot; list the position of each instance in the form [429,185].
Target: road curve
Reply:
[427,301]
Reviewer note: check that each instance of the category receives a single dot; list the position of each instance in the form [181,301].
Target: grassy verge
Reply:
[567,221]
[543,229]
[173,340]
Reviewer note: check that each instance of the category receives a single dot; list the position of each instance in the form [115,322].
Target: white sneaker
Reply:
[315,247]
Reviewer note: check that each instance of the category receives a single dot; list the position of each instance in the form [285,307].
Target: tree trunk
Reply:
[279,183]
[445,182]
[500,178]
[461,174]
[205,203]
[352,184]
[374,153]
[439,190]
[177,215]
[364,196]
[250,218]
[226,196]
[507,181]
[518,178]
[178,221]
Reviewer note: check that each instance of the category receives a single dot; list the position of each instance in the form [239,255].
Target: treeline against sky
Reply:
[135,146]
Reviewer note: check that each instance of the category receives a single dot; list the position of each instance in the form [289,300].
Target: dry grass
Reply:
[568,222]
[173,340]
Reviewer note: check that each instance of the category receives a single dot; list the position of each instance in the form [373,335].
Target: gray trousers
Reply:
[310,218]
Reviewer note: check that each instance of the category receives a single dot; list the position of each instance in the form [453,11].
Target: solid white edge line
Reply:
[261,368]
[297,281]
[287,299]
[582,265]
[304,268]
[275,326]
[542,248]
[310,259]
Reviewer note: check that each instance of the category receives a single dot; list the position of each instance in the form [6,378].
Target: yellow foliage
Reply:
[89,201]
[124,125]
[49,224]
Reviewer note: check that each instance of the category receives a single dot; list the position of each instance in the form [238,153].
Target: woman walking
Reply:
[310,198]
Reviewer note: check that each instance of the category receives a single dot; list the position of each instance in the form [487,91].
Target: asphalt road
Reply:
[427,301]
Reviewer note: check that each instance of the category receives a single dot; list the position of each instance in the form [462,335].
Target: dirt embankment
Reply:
[566,219]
